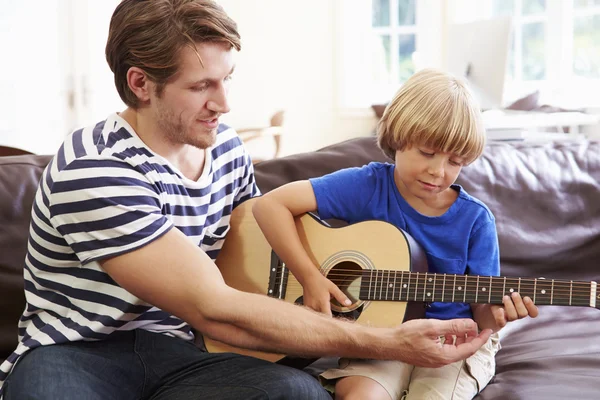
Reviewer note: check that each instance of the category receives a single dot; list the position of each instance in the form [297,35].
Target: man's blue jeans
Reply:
[144,365]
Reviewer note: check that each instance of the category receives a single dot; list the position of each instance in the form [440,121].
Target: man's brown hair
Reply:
[149,34]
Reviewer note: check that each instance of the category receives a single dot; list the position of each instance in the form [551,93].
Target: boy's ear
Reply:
[139,84]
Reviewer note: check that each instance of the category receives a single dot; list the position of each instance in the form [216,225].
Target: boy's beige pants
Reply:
[461,380]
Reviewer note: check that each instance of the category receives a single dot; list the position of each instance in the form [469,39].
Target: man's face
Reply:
[188,109]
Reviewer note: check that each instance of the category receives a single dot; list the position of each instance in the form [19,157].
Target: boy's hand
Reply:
[514,307]
[318,291]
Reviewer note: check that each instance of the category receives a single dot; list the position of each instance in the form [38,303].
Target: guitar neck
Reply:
[389,285]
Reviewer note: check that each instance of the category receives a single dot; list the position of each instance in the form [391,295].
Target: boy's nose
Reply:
[436,169]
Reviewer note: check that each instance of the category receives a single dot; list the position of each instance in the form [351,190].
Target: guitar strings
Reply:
[577,291]
[578,287]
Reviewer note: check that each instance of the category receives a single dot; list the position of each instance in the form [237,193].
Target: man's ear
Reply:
[139,84]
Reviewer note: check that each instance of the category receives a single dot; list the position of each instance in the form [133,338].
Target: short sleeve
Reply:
[484,253]
[103,208]
[344,194]
[247,187]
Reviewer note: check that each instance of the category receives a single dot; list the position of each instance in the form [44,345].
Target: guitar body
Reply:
[248,263]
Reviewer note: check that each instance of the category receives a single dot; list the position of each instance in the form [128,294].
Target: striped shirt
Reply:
[106,193]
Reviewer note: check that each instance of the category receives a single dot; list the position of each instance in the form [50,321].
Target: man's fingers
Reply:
[467,348]
[459,327]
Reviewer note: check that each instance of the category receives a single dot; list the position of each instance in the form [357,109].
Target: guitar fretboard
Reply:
[391,285]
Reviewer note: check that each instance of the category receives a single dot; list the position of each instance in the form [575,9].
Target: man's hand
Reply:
[421,344]
[496,317]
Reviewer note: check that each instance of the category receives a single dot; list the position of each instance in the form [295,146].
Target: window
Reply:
[527,60]
[586,38]
[380,44]
[394,24]
[555,47]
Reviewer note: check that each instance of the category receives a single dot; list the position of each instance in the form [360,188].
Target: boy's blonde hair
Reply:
[436,110]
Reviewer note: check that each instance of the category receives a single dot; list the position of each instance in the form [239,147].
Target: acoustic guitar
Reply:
[378,266]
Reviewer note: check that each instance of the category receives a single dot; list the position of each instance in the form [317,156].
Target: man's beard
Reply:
[176,131]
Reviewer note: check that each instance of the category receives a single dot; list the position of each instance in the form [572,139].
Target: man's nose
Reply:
[218,101]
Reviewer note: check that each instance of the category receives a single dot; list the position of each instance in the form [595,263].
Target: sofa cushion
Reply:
[19,177]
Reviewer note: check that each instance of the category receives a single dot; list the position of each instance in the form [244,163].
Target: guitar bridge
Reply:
[278,277]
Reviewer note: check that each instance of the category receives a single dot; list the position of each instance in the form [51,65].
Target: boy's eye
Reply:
[427,153]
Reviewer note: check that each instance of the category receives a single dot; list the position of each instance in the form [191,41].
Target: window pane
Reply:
[383,57]
[534,61]
[503,7]
[586,46]
[381,12]
[586,3]
[534,7]
[406,12]
[511,68]
[406,48]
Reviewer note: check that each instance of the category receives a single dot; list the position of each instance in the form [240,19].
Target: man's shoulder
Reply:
[227,141]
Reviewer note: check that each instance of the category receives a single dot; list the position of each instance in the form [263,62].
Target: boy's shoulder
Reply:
[474,204]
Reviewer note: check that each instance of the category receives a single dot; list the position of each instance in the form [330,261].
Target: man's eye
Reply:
[199,88]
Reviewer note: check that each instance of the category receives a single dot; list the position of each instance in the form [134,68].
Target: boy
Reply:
[432,128]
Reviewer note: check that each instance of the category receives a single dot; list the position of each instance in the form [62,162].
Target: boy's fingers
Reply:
[341,297]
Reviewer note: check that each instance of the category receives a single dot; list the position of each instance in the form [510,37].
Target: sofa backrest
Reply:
[19,177]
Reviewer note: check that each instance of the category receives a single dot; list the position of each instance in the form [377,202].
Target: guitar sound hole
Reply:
[347,276]
[348,314]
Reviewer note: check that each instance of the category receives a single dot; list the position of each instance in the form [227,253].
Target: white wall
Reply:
[287,62]
[33,75]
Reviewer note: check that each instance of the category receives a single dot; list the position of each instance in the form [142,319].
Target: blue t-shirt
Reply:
[461,241]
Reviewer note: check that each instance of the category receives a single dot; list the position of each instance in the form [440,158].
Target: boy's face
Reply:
[425,173]
[188,109]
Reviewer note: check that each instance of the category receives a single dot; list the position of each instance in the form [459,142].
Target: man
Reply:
[113,292]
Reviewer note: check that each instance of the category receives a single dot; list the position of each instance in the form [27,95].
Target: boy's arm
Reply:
[484,259]
[275,212]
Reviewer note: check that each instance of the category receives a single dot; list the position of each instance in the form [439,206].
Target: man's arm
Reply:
[173,274]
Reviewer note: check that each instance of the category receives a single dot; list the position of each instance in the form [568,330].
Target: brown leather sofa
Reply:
[546,198]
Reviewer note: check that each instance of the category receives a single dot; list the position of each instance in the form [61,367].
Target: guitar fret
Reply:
[394,287]
[570,292]
[387,286]
[444,287]
[408,286]
[416,286]
[465,290]
[424,286]
[534,289]
[434,286]
[490,293]
[454,288]
[401,281]
[477,289]
[552,292]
